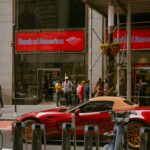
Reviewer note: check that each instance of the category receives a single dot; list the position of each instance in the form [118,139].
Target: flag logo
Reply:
[73,40]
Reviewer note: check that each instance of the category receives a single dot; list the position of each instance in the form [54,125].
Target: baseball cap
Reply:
[66,78]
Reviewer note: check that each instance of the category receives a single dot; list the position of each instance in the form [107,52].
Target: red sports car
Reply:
[90,114]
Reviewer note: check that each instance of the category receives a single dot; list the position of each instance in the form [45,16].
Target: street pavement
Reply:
[8,111]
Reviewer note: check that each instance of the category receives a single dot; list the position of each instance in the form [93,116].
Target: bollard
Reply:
[38,134]
[19,131]
[66,136]
[91,133]
[74,131]
[145,138]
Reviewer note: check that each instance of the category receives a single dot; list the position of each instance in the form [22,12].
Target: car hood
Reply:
[59,111]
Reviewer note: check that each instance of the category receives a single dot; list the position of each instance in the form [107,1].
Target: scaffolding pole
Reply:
[129,51]
[90,47]
[118,58]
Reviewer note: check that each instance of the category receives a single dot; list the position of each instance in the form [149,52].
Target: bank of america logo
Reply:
[73,40]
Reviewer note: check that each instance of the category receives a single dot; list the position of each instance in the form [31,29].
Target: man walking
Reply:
[67,88]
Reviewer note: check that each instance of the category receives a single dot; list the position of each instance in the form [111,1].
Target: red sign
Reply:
[140,39]
[50,41]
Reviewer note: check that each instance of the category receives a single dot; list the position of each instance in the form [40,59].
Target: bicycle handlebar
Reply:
[120,116]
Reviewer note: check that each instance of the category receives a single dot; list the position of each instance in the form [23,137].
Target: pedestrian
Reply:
[1,97]
[86,90]
[141,92]
[105,88]
[100,83]
[58,89]
[50,91]
[98,90]
[67,89]
[80,91]
[74,92]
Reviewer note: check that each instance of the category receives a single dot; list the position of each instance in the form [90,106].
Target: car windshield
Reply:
[76,106]
[92,106]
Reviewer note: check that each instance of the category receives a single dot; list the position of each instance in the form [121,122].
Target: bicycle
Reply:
[118,137]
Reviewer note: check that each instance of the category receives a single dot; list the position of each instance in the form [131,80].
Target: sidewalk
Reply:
[8,111]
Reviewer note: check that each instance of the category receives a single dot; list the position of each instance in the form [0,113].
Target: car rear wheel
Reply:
[134,134]
[28,129]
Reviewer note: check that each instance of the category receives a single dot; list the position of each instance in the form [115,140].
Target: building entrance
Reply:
[35,73]
[46,79]
[142,74]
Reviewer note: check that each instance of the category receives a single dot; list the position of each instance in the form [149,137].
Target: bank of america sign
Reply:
[51,41]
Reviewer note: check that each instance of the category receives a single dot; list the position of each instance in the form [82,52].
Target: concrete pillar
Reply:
[6,49]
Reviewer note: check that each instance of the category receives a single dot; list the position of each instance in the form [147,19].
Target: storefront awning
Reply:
[137,6]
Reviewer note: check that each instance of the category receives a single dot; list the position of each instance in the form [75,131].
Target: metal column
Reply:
[90,47]
[118,58]
[129,51]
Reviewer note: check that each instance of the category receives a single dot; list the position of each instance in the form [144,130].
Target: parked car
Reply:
[91,113]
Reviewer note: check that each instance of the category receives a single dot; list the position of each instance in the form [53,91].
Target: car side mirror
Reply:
[77,111]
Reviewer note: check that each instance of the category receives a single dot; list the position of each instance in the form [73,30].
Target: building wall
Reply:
[6,49]
[95,53]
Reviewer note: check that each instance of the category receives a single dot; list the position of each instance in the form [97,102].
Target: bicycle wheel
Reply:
[121,142]
[1,140]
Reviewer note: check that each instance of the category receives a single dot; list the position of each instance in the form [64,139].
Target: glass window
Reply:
[34,70]
[50,14]
[76,14]
[96,106]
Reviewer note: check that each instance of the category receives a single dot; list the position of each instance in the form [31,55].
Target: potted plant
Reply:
[105,48]
[114,48]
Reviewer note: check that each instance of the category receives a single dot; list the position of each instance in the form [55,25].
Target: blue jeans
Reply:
[68,98]
[58,95]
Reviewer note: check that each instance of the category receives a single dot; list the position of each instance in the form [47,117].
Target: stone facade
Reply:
[6,49]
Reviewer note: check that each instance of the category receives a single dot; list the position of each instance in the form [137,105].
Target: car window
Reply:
[73,108]
[128,102]
[96,106]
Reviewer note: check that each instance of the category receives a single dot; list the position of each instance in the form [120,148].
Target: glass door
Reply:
[142,72]
[46,79]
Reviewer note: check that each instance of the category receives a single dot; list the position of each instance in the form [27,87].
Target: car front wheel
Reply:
[28,129]
[134,134]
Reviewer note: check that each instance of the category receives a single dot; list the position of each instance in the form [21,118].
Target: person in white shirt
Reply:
[67,89]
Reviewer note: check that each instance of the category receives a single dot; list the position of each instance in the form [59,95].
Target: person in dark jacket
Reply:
[86,91]
[141,92]
[1,97]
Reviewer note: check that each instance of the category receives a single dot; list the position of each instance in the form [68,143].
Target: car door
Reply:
[92,113]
